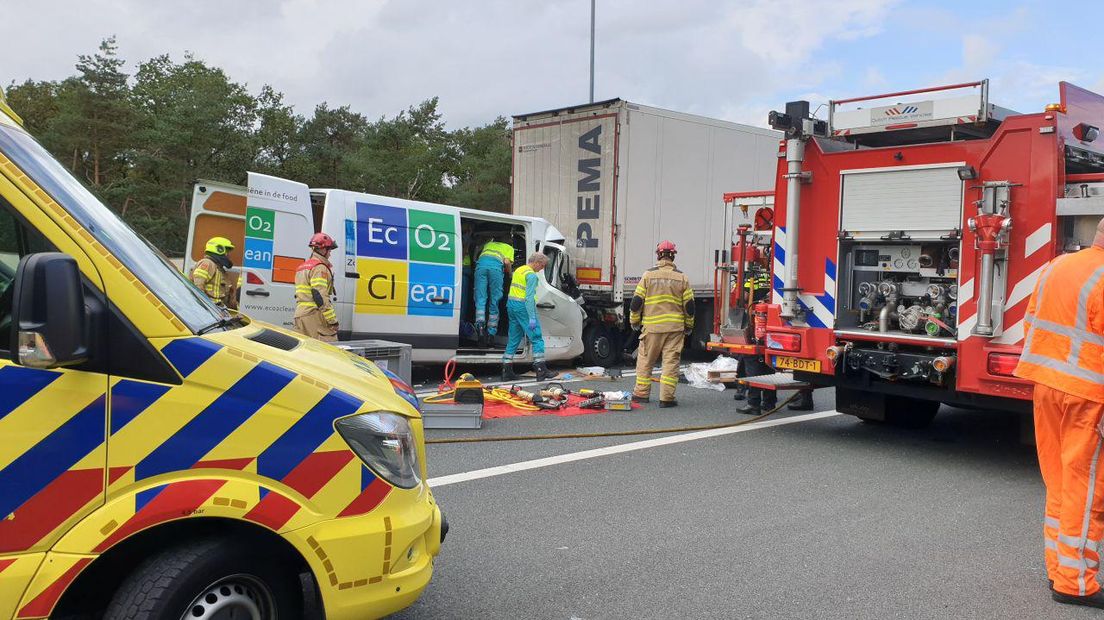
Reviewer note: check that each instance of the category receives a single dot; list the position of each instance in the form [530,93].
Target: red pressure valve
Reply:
[988,228]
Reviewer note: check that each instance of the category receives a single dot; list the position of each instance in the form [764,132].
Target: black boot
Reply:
[1093,600]
[508,373]
[741,392]
[804,401]
[541,369]
[663,404]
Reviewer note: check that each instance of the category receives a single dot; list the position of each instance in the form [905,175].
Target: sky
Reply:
[734,60]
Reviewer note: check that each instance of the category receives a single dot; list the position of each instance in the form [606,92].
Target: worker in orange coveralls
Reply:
[1064,355]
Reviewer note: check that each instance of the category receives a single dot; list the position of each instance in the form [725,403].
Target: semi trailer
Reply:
[617,178]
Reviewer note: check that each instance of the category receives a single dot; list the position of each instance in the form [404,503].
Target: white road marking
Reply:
[501,470]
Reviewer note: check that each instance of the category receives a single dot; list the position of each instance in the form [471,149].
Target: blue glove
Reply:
[532,323]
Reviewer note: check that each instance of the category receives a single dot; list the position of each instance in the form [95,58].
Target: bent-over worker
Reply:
[1063,353]
[521,310]
[210,272]
[495,261]
[662,307]
[314,312]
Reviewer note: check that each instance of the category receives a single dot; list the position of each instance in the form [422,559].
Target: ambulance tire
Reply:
[601,347]
[202,578]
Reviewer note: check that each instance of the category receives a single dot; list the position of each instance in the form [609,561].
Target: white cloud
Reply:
[484,59]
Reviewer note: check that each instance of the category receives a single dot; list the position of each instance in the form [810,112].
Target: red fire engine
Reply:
[910,230]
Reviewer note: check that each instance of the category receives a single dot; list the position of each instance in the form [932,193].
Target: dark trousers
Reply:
[754,366]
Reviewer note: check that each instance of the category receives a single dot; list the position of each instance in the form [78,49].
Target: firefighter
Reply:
[521,310]
[496,260]
[662,308]
[314,312]
[1063,354]
[210,273]
[756,290]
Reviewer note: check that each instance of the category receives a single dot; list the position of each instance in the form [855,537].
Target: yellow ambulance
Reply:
[162,458]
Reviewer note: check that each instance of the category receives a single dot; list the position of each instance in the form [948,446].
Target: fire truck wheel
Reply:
[210,578]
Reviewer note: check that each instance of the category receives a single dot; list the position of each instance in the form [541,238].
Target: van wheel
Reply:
[600,347]
[212,579]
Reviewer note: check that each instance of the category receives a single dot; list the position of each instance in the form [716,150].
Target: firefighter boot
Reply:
[541,369]
[663,404]
[508,373]
[804,401]
[758,402]
[741,392]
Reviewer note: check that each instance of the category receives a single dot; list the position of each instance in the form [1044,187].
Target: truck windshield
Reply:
[187,302]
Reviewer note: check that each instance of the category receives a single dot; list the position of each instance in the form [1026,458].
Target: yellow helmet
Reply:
[219,245]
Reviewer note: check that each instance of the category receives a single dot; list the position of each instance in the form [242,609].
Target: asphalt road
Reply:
[818,518]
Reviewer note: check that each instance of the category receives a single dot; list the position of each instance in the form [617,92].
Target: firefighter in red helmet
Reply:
[314,312]
[662,308]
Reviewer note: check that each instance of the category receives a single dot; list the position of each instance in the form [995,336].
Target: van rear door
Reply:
[278,224]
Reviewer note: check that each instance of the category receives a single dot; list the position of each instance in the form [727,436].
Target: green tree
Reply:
[193,123]
[329,141]
[408,156]
[481,178]
[36,102]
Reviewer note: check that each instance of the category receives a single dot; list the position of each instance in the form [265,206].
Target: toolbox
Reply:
[619,404]
[452,415]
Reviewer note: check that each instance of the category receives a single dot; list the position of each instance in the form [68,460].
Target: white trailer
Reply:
[617,178]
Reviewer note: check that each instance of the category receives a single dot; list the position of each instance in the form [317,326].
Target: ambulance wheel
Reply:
[600,347]
[208,579]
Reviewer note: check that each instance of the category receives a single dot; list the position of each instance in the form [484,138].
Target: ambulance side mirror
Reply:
[50,326]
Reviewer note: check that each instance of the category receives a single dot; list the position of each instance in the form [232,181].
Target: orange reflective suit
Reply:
[1064,355]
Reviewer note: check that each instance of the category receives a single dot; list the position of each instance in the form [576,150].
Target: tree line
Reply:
[140,141]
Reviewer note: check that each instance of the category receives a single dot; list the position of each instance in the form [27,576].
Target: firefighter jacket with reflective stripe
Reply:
[212,280]
[663,300]
[314,288]
[502,251]
[523,287]
[1064,337]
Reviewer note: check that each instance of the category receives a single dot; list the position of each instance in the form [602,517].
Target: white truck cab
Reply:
[398,269]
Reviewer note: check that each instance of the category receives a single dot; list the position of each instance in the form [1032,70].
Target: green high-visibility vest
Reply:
[502,251]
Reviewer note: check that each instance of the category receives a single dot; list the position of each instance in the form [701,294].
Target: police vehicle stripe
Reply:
[130,398]
[229,411]
[18,385]
[304,437]
[187,354]
[36,468]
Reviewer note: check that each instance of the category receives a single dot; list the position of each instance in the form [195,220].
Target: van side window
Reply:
[16,241]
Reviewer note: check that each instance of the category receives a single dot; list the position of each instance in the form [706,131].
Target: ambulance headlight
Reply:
[385,442]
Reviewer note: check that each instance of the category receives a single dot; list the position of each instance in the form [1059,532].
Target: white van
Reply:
[397,269]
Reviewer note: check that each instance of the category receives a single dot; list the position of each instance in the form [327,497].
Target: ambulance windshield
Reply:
[187,302]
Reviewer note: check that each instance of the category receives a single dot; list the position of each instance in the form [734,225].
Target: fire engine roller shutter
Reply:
[895,199]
